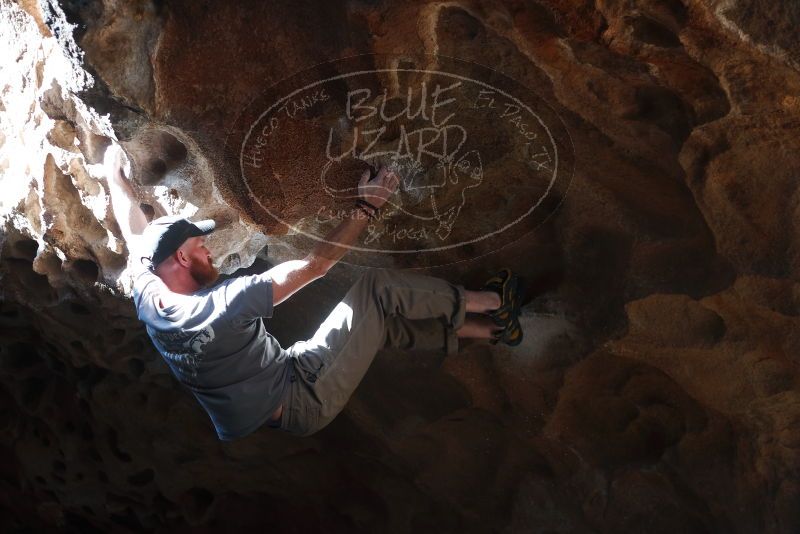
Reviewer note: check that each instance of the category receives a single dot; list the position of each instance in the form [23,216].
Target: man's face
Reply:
[201,269]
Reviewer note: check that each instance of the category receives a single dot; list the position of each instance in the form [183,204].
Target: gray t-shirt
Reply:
[215,343]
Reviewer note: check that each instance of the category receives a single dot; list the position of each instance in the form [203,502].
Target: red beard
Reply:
[203,273]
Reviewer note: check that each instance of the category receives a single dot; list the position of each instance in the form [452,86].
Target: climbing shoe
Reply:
[506,284]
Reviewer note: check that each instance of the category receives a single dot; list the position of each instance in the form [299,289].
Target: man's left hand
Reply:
[380,188]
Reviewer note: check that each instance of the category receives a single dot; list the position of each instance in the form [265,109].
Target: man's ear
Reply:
[182,258]
[182,255]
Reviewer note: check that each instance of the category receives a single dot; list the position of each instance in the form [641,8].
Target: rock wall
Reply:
[657,386]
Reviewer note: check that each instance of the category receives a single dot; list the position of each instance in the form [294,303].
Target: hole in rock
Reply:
[141,478]
[86,270]
[161,504]
[78,13]
[89,375]
[406,64]
[86,432]
[37,285]
[116,336]
[154,153]
[149,211]
[20,356]
[136,367]
[32,392]
[174,151]
[55,364]
[79,309]
[83,373]
[154,169]
[76,523]
[101,476]
[10,313]
[128,519]
[665,109]
[655,441]
[113,444]
[59,467]
[26,249]
[136,346]
[460,24]
[197,501]
[649,31]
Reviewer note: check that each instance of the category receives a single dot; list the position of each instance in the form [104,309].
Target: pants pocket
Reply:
[301,416]
[311,366]
[302,420]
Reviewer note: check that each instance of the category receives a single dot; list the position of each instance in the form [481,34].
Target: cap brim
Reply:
[206,227]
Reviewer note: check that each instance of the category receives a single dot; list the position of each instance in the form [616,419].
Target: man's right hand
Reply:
[380,188]
[114,161]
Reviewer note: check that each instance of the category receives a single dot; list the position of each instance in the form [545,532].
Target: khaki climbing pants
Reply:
[384,308]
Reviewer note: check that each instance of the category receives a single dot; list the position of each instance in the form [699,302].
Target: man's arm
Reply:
[290,276]
[129,215]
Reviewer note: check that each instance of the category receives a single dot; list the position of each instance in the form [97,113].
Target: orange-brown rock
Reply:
[658,386]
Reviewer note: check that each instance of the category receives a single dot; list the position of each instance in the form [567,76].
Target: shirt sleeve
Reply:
[248,297]
[141,275]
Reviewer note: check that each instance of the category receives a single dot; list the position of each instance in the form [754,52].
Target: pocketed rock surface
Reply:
[657,388]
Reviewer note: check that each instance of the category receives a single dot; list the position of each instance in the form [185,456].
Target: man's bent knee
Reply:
[375,276]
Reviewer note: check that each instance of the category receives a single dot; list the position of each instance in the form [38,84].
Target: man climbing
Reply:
[213,338]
